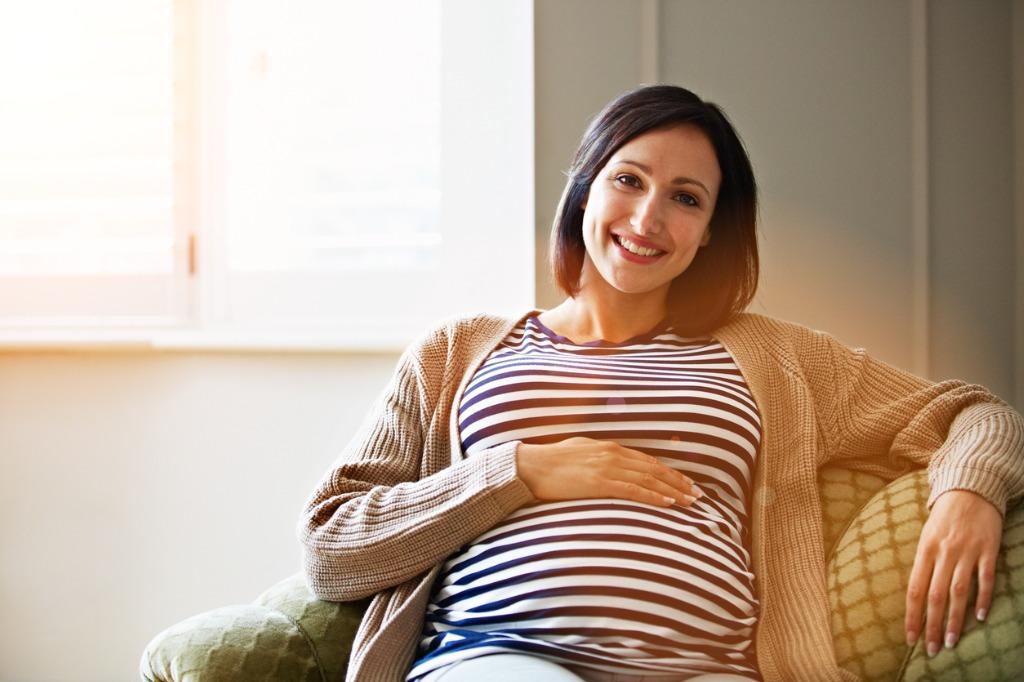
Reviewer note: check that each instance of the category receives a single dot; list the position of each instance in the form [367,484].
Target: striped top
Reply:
[609,584]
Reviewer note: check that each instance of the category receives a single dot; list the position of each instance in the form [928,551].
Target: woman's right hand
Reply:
[583,468]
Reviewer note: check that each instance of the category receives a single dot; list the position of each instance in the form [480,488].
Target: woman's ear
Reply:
[706,236]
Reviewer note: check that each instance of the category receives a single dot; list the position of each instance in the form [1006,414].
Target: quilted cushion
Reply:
[287,634]
[330,626]
[231,643]
[868,572]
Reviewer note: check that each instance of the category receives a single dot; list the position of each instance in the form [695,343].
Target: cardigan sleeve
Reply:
[374,523]
[882,419]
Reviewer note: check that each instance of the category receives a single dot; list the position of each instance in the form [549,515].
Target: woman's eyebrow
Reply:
[681,180]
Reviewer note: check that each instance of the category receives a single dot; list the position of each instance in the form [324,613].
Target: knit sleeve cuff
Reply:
[502,476]
[984,483]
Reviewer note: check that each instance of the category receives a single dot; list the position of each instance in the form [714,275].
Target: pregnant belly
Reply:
[597,569]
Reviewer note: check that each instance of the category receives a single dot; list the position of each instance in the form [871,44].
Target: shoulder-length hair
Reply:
[722,278]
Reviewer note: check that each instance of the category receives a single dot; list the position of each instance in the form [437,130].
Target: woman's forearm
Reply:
[360,539]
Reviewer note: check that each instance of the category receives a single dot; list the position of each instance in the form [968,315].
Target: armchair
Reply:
[870,531]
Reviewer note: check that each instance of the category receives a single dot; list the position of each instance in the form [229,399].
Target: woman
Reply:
[624,487]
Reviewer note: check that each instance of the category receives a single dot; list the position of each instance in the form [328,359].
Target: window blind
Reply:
[87,160]
[86,144]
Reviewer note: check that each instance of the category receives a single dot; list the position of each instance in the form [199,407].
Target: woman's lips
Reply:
[633,257]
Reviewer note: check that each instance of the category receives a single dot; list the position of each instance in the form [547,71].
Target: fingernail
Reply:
[911,638]
[933,648]
[689,499]
[668,500]
[950,640]
[698,492]
[982,613]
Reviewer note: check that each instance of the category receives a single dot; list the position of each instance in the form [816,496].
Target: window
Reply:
[263,172]
[87,163]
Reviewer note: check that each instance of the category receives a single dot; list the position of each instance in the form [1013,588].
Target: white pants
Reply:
[518,667]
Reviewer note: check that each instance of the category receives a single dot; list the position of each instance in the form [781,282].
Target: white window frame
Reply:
[487,176]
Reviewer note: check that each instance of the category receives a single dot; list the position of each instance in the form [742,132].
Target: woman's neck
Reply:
[583,320]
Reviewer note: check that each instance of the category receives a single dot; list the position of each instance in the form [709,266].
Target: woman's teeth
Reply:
[638,250]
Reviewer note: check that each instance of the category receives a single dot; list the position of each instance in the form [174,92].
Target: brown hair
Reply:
[722,278]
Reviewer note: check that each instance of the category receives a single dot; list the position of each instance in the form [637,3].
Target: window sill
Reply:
[226,340]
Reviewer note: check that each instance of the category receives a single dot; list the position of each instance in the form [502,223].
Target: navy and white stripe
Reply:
[609,584]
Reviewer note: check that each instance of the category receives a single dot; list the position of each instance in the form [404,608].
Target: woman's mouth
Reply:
[635,257]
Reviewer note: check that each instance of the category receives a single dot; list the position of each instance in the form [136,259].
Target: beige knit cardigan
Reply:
[403,496]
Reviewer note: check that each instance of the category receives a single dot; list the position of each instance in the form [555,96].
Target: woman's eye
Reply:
[633,181]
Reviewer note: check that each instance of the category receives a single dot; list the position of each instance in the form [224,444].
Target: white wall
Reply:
[140,488]
[137,489]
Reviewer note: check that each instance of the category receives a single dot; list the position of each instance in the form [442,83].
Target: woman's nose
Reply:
[645,218]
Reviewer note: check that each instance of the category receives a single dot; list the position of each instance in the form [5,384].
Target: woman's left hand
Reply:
[962,536]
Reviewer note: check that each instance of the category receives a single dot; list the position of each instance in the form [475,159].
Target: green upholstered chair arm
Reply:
[287,634]
[870,532]
[870,556]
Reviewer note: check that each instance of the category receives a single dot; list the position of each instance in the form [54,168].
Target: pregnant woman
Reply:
[622,488]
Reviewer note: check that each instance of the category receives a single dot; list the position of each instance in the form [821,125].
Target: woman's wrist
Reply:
[525,453]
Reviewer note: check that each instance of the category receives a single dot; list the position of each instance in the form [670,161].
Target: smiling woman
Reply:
[596,573]
[625,487]
[662,176]
[641,232]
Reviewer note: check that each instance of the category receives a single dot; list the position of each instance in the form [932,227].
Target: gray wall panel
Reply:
[821,94]
[587,51]
[971,193]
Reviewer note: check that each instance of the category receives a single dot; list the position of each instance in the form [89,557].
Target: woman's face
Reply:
[657,192]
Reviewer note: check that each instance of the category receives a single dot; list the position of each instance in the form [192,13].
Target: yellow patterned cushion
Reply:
[843,494]
[868,571]
[993,650]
